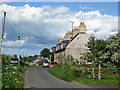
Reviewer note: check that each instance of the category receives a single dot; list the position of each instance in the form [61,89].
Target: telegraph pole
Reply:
[19,51]
[2,35]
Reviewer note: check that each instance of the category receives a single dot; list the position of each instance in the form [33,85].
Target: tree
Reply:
[6,58]
[104,52]
[113,50]
[96,51]
[45,53]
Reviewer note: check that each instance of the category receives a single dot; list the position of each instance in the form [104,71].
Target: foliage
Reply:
[28,59]
[6,58]
[65,73]
[104,52]
[113,50]
[41,62]
[64,59]
[96,50]
[52,56]
[12,74]
[45,53]
[69,74]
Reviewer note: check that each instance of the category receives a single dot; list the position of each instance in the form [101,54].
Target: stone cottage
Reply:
[73,43]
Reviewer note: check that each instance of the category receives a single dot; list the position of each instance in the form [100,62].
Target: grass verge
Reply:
[68,74]
[96,81]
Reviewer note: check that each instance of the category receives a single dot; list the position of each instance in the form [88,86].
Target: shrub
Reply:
[41,62]
[12,76]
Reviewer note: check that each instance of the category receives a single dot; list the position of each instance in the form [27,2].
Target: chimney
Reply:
[82,24]
[82,27]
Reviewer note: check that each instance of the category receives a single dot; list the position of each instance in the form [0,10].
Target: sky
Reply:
[59,0]
[41,24]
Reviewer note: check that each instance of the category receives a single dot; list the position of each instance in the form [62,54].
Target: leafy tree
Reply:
[113,50]
[5,58]
[96,51]
[45,53]
[104,52]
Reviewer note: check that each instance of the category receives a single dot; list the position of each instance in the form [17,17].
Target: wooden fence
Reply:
[100,73]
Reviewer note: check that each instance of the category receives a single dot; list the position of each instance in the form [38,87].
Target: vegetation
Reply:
[28,59]
[103,53]
[12,74]
[64,59]
[41,62]
[96,81]
[65,73]
[45,53]
[69,73]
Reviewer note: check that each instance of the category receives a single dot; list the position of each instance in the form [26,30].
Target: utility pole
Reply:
[19,51]
[2,35]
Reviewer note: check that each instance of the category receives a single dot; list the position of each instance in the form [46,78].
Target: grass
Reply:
[96,81]
[65,73]
[68,74]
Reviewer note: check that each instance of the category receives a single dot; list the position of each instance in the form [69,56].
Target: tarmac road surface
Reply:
[38,77]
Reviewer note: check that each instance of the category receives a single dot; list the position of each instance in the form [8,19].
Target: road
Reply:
[38,77]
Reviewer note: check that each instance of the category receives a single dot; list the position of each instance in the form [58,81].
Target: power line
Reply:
[39,38]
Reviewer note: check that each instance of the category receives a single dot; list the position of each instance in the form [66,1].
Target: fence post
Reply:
[99,72]
[93,73]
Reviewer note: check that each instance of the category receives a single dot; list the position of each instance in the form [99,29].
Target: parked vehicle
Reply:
[45,64]
[52,64]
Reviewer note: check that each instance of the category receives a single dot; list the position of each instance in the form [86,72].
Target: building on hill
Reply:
[73,43]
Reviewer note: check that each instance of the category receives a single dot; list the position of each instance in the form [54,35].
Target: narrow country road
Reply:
[38,77]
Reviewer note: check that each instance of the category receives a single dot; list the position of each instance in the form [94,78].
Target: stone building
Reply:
[73,43]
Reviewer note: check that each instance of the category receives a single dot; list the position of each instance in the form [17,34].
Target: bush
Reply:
[41,62]
[12,76]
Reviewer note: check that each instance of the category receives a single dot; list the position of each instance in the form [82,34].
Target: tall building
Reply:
[73,43]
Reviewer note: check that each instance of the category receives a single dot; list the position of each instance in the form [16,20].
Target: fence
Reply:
[99,73]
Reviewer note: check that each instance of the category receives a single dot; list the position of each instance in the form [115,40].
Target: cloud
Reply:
[59,1]
[17,51]
[84,8]
[41,27]
[14,43]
